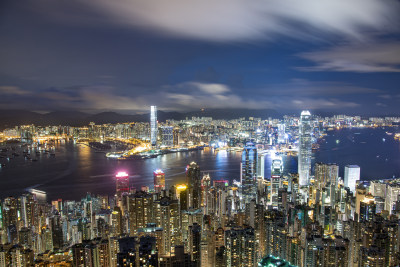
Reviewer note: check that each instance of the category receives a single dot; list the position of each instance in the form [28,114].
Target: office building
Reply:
[153,125]
[304,155]
[351,176]
[193,181]
[261,165]
[249,172]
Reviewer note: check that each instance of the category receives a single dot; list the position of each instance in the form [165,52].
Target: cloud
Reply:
[233,20]
[370,57]
[105,98]
[191,95]
[179,97]
[12,90]
[321,103]
[386,96]
[303,87]
[182,98]
[381,105]
[209,88]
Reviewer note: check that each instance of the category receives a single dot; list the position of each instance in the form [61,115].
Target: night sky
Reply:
[339,56]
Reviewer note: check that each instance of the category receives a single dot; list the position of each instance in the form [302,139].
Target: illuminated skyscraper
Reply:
[122,182]
[248,175]
[240,247]
[326,174]
[193,180]
[326,183]
[153,125]
[351,175]
[159,180]
[304,157]
[169,221]
[276,181]
[140,211]
[261,166]
[281,133]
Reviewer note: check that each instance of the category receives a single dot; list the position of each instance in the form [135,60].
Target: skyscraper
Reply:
[159,180]
[281,133]
[304,157]
[276,181]
[248,175]
[326,183]
[261,166]
[351,175]
[193,180]
[122,183]
[153,125]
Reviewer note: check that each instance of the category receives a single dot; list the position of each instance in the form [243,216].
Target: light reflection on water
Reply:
[77,169]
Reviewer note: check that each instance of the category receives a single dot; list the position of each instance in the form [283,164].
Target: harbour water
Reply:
[78,169]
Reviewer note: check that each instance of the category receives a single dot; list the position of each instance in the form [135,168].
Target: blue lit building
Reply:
[249,172]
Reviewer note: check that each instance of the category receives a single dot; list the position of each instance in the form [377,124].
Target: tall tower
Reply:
[304,157]
[261,166]
[249,172]
[193,180]
[276,181]
[153,125]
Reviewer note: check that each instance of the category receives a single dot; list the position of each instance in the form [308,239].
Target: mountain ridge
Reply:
[11,118]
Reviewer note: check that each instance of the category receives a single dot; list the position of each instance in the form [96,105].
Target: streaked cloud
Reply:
[322,103]
[369,57]
[382,105]
[235,20]
[12,90]
[180,97]
[303,87]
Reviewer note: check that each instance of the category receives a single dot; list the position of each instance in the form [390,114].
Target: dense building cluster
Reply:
[196,130]
[310,218]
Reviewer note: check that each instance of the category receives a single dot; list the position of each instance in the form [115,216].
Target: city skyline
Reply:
[202,133]
[255,192]
[339,56]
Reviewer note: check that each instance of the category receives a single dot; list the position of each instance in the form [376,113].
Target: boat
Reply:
[315,146]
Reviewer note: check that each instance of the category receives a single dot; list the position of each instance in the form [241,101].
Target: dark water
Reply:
[363,147]
[77,169]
